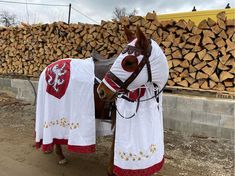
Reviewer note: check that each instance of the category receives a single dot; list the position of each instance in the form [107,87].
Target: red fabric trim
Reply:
[112,84]
[139,172]
[72,148]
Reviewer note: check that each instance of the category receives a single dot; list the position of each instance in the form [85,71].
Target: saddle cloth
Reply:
[139,146]
[65,111]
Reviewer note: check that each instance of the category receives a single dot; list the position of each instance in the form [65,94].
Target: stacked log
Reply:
[199,57]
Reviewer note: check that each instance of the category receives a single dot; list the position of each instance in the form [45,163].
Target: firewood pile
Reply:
[199,56]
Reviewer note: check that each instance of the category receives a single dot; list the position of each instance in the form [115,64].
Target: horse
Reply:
[135,82]
[54,76]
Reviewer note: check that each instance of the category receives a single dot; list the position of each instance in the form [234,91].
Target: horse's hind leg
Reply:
[111,159]
[59,152]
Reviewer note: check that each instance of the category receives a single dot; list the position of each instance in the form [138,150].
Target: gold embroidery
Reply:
[142,154]
[63,122]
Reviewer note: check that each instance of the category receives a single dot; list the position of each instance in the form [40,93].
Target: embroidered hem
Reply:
[139,172]
[71,148]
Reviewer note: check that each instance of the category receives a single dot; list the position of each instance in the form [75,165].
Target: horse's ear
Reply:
[130,36]
[142,41]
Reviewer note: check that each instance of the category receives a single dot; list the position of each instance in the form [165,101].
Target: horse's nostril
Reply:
[101,93]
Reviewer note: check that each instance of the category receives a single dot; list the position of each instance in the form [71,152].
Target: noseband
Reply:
[136,51]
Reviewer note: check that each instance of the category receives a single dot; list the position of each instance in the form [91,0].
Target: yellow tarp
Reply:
[197,16]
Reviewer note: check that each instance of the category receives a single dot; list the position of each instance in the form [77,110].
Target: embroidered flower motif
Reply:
[140,156]
[63,122]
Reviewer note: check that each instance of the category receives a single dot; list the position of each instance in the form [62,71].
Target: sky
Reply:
[93,11]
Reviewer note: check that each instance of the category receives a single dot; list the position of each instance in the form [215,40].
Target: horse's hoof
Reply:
[63,161]
[48,152]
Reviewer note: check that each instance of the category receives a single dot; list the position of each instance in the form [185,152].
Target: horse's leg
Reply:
[59,152]
[111,159]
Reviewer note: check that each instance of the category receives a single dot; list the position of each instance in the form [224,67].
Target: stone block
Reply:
[189,103]
[206,118]
[219,106]
[181,115]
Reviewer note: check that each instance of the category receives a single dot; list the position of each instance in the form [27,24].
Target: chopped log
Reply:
[213,63]
[230,89]
[207,57]
[216,29]
[194,85]
[196,48]
[201,75]
[230,22]
[177,79]
[222,66]
[221,24]
[190,56]
[214,77]
[210,47]
[208,70]
[205,85]
[183,83]
[190,80]
[212,84]
[170,82]
[176,62]
[193,75]
[230,62]
[219,87]
[201,54]
[196,30]
[177,54]
[184,74]
[211,22]
[219,42]
[214,53]
[166,43]
[223,34]
[192,69]
[194,39]
[207,40]
[181,24]
[224,59]
[230,32]
[230,45]
[185,51]
[200,65]
[228,83]
[208,33]
[196,61]
[180,32]
[151,16]
[178,69]
[184,64]
[203,25]
[190,25]
[224,75]
[221,16]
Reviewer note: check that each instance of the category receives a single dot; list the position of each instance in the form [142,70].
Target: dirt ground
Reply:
[185,155]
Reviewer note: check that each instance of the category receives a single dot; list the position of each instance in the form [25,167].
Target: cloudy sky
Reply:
[92,11]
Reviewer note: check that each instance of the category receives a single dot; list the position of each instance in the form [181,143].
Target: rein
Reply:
[124,85]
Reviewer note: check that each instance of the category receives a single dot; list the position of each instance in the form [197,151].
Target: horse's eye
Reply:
[130,63]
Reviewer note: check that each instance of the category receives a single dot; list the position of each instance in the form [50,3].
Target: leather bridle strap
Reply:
[145,60]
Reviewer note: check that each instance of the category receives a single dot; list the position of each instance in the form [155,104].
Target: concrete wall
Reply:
[212,117]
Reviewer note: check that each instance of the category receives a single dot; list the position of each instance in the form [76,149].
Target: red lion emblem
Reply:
[57,78]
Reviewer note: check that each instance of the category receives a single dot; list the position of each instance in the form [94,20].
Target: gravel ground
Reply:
[185,155]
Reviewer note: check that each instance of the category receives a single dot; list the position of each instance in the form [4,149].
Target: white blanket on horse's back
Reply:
[65,106]
[139,145]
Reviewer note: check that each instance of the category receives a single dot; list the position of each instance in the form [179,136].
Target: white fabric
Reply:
[159,68]
[139,140]
[71,117]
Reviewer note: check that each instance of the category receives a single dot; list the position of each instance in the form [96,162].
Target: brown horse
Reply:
[102,108]
[135,81]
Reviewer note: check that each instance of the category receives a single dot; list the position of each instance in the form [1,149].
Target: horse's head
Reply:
[134,67]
